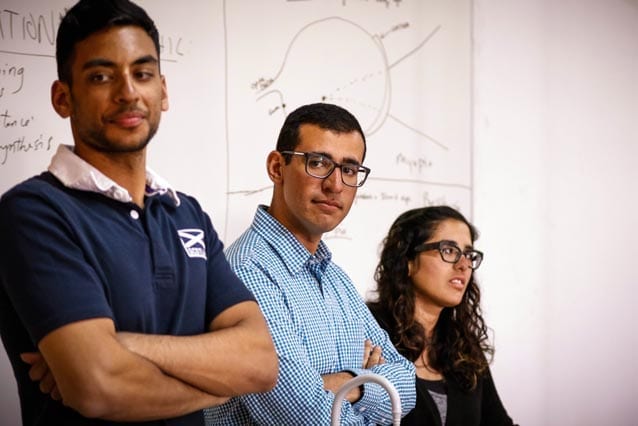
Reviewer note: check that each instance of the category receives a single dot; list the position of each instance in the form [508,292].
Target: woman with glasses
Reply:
[429,303]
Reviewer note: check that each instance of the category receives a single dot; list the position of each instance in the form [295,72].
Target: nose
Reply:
[334,181]
[463,263]
[126,89]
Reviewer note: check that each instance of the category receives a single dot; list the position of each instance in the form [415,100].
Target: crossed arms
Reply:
[315,362]
[137,377]
[87,364]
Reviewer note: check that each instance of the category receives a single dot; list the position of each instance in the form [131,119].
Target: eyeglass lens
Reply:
[321,167]
[452,254]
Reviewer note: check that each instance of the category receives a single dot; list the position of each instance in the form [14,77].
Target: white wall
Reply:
[509,189]
[556,146]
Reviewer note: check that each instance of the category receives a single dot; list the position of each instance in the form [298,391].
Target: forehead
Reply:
[338,145]
[453,230]
[119,44]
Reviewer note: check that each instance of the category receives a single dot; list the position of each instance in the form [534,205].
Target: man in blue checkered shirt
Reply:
[323,332]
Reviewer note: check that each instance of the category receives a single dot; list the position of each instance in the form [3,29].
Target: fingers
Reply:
[30,357]
[376,357]
[372,355]
[47,384]
[55,393]
[367,349]
[39,372]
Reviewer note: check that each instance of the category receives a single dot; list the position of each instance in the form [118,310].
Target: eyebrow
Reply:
[467,247]
[101,62]
[345,160]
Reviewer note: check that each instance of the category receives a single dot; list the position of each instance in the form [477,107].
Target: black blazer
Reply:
[480,407]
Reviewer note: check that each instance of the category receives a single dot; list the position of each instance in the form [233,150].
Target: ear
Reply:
[164,95]
[274,166]
[410,267]
[61,98]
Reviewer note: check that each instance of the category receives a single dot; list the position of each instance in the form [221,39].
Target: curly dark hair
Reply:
[459,346]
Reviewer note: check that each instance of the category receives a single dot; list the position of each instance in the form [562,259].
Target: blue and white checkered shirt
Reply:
[319,323]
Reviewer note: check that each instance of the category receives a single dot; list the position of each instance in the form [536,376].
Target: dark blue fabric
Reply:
[68,255]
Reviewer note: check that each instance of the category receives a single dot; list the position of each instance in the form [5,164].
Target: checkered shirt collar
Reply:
[292,253]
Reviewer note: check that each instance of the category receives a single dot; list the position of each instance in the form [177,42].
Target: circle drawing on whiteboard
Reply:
[355,75]
[329,74]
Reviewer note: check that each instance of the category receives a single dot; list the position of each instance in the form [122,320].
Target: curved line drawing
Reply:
[407,126]
[421,182]
[383,109]
[378,121]
[420,45]
[353,63]
[247,192]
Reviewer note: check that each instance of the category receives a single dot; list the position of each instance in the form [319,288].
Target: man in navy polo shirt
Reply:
[116,300]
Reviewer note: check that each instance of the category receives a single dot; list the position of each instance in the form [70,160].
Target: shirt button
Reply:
[134,214]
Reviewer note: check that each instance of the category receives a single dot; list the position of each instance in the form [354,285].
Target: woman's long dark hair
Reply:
[459,346]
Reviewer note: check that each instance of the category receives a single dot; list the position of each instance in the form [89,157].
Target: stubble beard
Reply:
[98,140]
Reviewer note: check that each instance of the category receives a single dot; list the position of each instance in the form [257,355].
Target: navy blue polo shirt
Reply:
[67,255]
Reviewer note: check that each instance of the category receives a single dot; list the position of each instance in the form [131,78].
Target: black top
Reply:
[482,406]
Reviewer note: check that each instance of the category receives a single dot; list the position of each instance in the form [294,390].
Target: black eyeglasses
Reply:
[451,253]
[320,166]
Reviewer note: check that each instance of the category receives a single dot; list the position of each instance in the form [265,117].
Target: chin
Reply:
[128,146]
[326,224]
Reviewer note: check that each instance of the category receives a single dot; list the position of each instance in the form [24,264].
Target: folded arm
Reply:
[235,358]
[302,387]
[98,377]
[375,401]
[372,356]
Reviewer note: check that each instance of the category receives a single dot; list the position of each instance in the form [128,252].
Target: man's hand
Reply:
[333,382]
[236,356]
[372,355]
[105,380]
[40,372]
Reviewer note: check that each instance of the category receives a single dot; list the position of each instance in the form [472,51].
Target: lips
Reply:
[458,283]
[333,204]
[127,119]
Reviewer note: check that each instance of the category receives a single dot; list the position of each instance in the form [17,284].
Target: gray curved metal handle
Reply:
[358,381]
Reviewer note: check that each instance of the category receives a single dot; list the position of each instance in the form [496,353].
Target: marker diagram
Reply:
[368,92]
[402,68]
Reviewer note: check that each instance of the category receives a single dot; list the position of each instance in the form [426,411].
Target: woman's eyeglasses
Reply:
[451,253]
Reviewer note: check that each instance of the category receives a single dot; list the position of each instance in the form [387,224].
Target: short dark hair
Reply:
[326,116]
[87,17]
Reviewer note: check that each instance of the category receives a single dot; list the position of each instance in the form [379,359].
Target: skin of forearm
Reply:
[127,387]
[99,378]
[372,355]
[146,394]
[333,382]
[226,362]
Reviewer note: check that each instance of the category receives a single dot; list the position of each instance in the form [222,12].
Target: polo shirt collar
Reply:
[76,173]
[290,250]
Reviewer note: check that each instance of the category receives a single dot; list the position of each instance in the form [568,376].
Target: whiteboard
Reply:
[234,69]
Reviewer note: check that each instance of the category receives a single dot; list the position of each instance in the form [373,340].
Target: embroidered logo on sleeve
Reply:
[193,242]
